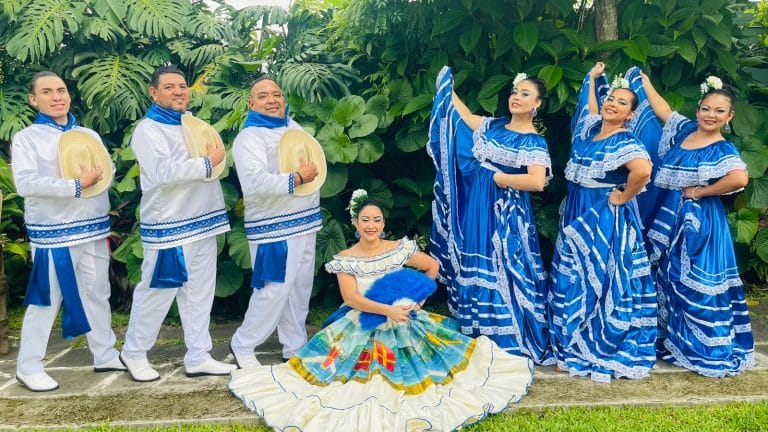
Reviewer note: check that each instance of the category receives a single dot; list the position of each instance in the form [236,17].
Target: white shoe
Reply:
[40,382]
[140,370]
[210,367]
[244,360]
[110,366]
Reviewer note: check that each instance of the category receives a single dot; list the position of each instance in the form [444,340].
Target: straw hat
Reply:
[295,144]
[79,147]
[197,134]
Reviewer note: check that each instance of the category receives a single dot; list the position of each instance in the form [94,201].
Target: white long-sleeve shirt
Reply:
[272,213]
[54,216]
[177,205]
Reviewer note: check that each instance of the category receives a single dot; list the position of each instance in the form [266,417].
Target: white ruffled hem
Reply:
[491,382]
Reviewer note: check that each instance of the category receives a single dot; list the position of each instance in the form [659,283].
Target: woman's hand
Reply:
[615,198]
[596,70]
[692,192]
[399,313]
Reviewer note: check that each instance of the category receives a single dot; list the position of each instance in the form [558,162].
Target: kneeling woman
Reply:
[602,299]
[384,364]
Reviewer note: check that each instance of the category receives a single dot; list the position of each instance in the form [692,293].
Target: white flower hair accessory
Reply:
[359,196]
[619,82]
[522,76]
[712,82]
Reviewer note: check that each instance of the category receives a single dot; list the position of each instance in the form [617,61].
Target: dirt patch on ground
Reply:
[135,407]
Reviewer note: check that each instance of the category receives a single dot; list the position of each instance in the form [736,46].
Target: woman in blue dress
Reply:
[704,324]
[483,232]
[602,298]
[382,363]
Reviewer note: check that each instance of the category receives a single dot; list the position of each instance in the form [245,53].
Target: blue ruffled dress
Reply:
[602,299]
[484,235]
[420,375]
[703,319]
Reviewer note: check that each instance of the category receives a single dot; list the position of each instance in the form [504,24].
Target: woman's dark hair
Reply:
[726,91]
[367,203]
[541,86]
[633,102]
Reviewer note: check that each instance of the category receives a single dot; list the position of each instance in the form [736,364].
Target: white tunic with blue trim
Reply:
[177,205]
[54,215]
[272,212]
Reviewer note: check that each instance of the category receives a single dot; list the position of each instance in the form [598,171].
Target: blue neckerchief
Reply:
[257,119]
[269,264]
[73,321]
[47,120]
[170,269]
[164,115]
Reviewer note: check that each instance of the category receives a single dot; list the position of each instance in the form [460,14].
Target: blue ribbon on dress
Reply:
[47,120]
[170,269]
[164,115]
[74,322]
[257,119]
[269,264]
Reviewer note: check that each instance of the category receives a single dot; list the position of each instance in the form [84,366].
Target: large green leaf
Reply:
[551,74]
[761,244]
[349,109]
[743,224]
[239,250]
[113,11]
[15,111]
[363,126]
[417,103]
[526,35]
[330,241]
[637,49]
[687,50]
[411,139]
[493,85]
[42,27]
[757,192]
[379,106]
[156,19]
[335,180]
[229,278]
[447,21]
[371,149]
[749,120]
[755,154]
[128,182]
[469,38]
[378,192]
[336,144]
[125,249]
[490,103]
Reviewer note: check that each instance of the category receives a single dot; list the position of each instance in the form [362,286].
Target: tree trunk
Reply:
[606,20]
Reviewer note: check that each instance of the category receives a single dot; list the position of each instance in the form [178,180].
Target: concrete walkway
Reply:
[87,398]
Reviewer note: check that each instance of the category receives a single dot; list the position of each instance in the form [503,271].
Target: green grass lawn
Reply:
[740,416]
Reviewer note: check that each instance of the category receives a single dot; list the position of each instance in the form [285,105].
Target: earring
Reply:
[727,127]
[357,235]
[534,112]
[381,236]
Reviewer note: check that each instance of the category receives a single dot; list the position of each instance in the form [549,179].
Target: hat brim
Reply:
[79,147]
[197,133]
[296,144]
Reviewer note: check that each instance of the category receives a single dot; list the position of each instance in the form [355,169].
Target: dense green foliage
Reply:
[360,75]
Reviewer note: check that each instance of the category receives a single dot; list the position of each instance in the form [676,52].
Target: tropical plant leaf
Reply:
[113,87]
[239,250]
[365,125]
[103,29]
[330,240]
[417,103]
[743,224]
[412,139]
[757,192]
[337,145]
[526,35]
[315,81]
[493,85]
[349,109]
[42,26]
[335,180]
[15,111]
[755,154]
[761,244]
[229,278]
[468,39]
[113,11]
[128,182]
[157,19]
[371,149]
[551,74]
[205,24]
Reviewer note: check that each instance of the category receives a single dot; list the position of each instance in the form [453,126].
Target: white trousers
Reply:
[281,305]
[194,299]
[91,263]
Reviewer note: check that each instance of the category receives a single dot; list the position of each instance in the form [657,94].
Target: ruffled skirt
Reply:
[602,297]
[420,375]
[703,319]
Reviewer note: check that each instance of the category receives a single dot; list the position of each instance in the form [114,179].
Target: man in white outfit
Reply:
[281,228]
[67,232]
[181,214]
